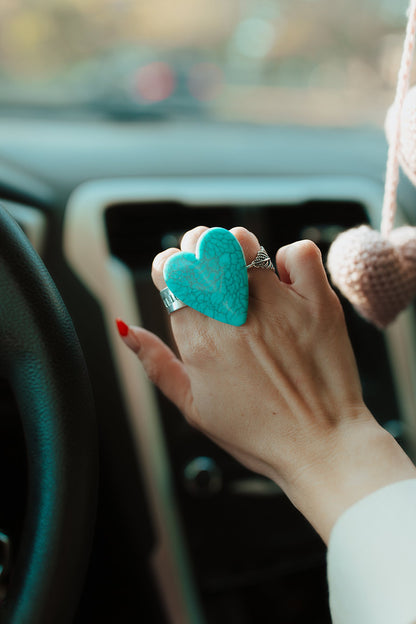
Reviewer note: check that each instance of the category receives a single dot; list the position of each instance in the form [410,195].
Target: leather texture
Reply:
[41,357]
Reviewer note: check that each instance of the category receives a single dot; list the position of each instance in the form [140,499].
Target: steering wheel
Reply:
[41,358]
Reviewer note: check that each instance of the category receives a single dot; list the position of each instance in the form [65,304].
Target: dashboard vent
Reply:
[138,231]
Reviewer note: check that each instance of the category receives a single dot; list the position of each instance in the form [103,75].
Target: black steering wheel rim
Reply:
[41,358]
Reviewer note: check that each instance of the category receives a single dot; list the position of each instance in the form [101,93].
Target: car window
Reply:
[302,61]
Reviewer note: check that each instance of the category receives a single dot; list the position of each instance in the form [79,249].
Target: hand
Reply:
[281,393]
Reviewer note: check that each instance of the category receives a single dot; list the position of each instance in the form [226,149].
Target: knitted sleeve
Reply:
[372,559]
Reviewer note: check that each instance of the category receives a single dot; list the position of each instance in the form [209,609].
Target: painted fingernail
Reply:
[123,328]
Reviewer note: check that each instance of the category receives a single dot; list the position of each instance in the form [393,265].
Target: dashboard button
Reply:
[202,477]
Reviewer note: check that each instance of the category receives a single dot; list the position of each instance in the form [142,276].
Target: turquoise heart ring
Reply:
[214,280]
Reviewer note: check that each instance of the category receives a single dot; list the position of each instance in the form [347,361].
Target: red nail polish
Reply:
[123,329]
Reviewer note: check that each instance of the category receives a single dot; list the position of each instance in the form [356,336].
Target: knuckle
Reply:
[158,265]
[198,229]
[243,235]
[308,249]
[160,259]
[240,232]
[248,242]
[192,236]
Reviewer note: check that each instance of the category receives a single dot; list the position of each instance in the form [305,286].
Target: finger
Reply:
[300,265]
[190,239]
[161,365]
[263,282]
[158,266]
[248,242]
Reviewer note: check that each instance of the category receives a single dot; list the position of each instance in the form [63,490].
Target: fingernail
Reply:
[123,328]
[129,337]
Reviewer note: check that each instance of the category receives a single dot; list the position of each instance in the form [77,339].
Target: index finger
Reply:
[158,266]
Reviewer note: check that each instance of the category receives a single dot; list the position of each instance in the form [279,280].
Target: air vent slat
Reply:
[138,231]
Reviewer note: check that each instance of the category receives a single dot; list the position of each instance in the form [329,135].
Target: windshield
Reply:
[292,61]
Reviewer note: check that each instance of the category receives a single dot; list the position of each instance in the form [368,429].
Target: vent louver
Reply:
[138,231]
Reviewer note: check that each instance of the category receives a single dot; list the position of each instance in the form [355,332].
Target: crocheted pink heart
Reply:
[377,274]
[407,147]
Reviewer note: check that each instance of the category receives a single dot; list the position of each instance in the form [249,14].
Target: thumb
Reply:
[161,365]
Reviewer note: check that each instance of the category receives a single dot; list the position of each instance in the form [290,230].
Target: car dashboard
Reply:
[184,534]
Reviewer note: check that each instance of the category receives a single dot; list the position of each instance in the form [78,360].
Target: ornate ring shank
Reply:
[261,261]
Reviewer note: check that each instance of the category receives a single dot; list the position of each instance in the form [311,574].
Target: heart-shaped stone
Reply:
[407,145]
[214,281]
[377,274]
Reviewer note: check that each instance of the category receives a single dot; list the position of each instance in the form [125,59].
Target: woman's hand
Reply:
[280,393]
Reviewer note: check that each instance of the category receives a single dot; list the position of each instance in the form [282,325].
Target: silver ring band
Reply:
[261,261]
[171,302]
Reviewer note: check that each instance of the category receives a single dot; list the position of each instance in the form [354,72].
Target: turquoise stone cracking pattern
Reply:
[214,281]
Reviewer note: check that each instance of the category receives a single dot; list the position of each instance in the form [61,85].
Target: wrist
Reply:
[361,457]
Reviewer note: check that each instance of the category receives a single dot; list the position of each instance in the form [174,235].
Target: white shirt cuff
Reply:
[372,559]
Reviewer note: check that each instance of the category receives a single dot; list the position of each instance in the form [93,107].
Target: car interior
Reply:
[120,129]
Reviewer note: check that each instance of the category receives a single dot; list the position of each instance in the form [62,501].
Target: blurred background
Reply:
[315,62]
